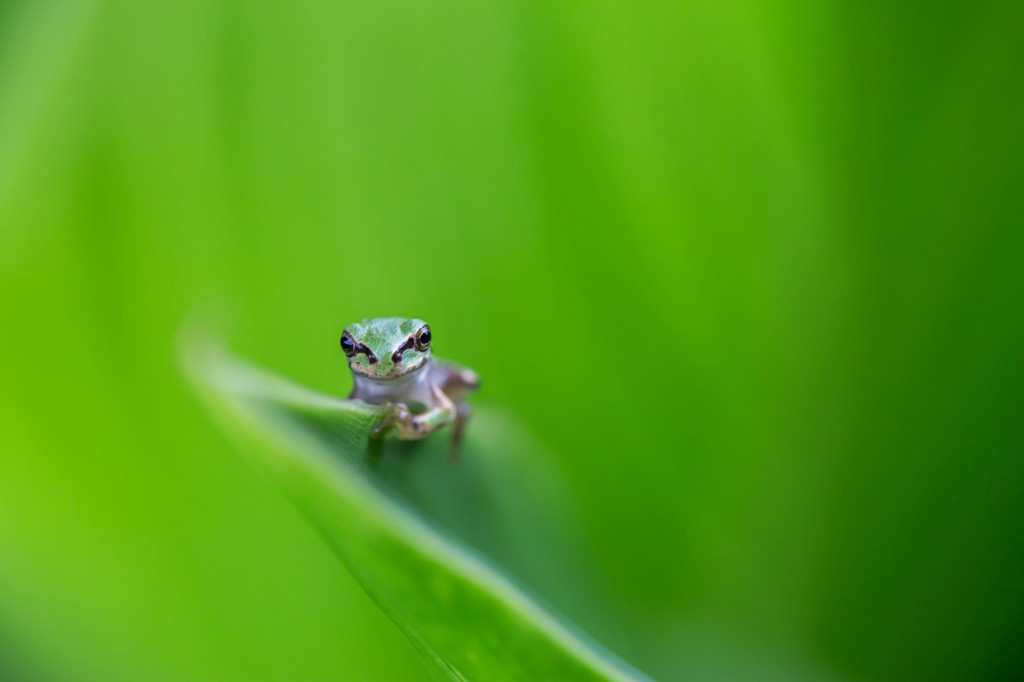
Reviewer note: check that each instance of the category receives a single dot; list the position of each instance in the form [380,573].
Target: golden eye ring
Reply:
[348,344]
[423,338]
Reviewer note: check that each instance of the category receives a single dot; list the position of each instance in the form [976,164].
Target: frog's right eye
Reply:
[423,338]
[348,344]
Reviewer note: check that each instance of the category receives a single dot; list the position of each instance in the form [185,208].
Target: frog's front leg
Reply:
[408,426]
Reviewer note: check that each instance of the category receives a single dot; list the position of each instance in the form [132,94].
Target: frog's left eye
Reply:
[348,344]
[423,338]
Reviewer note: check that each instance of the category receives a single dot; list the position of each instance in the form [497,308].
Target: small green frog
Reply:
[392,366]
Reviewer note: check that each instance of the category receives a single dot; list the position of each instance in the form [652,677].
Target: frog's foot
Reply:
[461,417]
[395,415]
[407,426]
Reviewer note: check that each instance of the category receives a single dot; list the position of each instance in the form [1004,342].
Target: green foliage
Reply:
[749,273]
[465,615]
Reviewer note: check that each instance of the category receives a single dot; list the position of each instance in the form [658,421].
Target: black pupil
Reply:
[346,344]
[425,338]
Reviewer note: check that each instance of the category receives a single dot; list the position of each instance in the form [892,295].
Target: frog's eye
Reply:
[348,344]
[423,338]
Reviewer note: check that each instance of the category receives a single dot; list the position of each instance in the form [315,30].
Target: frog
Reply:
[393,367]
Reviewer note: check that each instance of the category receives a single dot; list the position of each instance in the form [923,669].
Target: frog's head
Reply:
[386,348]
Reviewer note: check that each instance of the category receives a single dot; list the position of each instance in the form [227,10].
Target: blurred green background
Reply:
[752,273]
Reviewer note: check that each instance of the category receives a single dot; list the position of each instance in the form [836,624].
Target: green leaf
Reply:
[400,519]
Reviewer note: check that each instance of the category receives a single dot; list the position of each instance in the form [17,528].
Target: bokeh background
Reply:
[753,273]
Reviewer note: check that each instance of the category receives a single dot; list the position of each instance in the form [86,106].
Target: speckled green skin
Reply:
[420,393]
[383,335]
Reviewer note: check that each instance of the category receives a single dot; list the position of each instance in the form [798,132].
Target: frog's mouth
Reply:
[393,374]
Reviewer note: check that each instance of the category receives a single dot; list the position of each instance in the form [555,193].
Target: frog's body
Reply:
[393,366]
